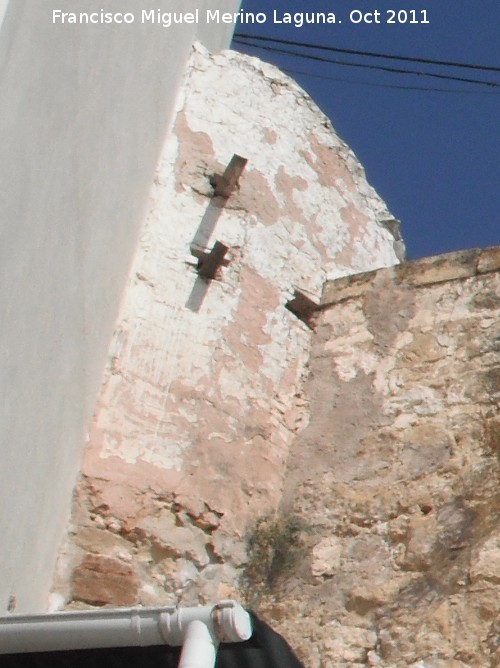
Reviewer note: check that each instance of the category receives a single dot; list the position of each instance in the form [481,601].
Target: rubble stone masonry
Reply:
[396,477]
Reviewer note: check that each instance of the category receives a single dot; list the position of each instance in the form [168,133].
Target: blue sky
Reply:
[433,156]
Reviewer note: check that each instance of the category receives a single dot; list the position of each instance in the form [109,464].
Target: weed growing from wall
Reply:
[273,547]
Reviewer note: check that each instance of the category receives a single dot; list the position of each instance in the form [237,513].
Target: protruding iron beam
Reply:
[226,183]
[209,263]
[303,307]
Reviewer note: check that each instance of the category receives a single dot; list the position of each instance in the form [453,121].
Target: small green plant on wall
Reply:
[273,547]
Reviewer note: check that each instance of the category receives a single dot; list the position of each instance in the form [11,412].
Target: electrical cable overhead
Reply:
[371,54]
[392,86]
[334,61]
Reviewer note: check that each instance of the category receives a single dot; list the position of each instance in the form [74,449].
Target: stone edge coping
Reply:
[424,271]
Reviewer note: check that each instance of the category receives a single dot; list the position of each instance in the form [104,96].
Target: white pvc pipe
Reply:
[199,647]
[226,621]
[79,630]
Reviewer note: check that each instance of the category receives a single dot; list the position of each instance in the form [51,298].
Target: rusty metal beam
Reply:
[303,307]
[209,263]
[226,183]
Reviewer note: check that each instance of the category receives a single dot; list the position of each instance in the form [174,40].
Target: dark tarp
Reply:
[265,649]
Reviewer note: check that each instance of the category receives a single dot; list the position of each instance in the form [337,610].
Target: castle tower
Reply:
[256,203]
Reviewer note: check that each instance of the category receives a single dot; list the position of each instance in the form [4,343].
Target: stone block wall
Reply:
[395,480]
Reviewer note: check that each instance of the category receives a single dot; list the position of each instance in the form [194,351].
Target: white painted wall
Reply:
[3,8]
[84,111]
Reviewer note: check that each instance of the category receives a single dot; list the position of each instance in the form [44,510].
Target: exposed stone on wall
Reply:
[396,476]
[202,397]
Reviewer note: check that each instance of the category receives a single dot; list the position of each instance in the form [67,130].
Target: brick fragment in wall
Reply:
[103,580]
[201,398]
